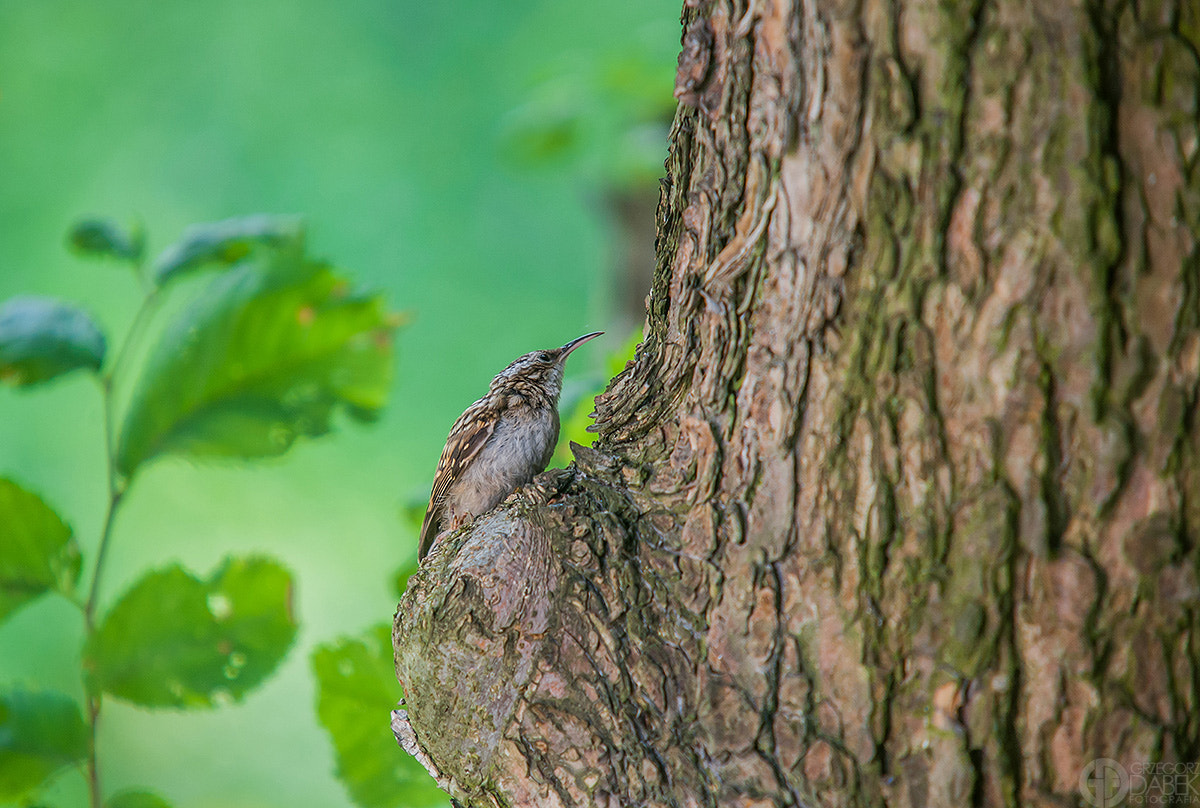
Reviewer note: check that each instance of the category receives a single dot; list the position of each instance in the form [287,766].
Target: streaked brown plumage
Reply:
[499,443]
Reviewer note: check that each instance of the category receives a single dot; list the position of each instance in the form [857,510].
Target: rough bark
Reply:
[900,501]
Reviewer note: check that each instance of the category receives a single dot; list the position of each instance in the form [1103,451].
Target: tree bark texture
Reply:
[899,502]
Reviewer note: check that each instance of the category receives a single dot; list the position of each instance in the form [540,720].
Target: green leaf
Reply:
[356,693]
[41,338]
[173,640]
[40,733]
[37,550]
[226,243]
[104,238]
[263,357]
[136,799]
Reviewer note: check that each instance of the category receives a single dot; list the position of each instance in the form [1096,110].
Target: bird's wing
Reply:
[468,435]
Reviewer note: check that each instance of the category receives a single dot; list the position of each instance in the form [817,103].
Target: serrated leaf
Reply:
[105,238]
[356,692]
[41,338]
[40,733]
[264,356]
[37,550]
[225,243]
[173,640]
[136,799]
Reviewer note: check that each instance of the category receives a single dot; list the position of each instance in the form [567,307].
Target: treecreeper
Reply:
[499,443]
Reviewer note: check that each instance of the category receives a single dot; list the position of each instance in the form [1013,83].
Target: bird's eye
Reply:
[543,356]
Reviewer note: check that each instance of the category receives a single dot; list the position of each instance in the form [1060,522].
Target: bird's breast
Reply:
[519,448]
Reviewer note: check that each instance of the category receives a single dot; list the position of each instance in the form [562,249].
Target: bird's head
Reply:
[540,370]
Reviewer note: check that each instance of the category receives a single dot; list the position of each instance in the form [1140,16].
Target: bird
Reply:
[499,443]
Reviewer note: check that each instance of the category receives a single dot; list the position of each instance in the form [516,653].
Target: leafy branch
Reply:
[263,354]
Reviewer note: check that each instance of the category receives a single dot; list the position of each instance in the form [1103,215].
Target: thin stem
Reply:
[116,486]
[93,762]
[140,320]
[114,502]
[116,493]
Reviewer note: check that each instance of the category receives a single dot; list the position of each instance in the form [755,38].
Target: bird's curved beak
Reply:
[565,350]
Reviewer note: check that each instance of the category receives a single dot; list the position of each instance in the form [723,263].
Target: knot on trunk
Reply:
[467,637]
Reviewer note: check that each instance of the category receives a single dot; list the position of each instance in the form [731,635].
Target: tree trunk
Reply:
[899,503]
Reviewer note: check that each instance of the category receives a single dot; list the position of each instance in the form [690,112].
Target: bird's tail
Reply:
[429,531]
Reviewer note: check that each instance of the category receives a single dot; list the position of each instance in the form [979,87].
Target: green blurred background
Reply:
[492,166]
